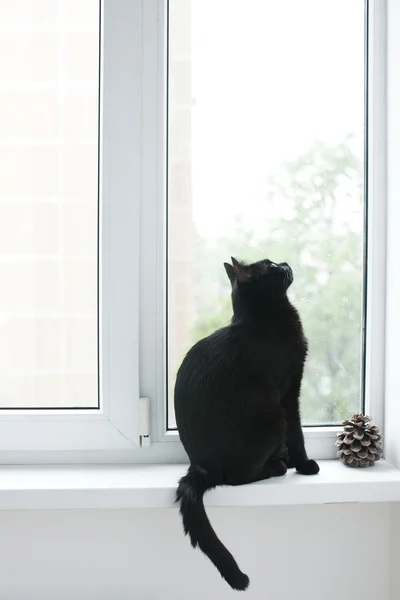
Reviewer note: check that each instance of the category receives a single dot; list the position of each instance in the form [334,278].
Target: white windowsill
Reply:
[153,486]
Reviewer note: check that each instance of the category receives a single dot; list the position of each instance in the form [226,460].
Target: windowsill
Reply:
[153,486]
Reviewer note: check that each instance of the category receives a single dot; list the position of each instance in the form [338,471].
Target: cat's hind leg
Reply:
[274,467]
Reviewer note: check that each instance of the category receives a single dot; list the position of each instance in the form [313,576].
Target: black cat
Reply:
[237,402]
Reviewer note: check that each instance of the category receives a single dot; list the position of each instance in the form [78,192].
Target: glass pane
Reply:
[265,160]
[49,87]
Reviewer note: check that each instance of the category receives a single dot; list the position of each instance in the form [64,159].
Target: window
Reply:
[156,139]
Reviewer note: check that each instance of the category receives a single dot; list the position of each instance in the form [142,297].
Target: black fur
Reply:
[237,402]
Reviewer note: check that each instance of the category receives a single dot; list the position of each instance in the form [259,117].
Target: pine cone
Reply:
[359,445]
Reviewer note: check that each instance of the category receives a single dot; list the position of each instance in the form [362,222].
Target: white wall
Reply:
[306,553]
[395,553]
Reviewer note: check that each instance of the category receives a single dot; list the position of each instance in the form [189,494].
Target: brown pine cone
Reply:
[359,445]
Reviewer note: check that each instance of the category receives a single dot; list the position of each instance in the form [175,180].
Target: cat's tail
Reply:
[190,494]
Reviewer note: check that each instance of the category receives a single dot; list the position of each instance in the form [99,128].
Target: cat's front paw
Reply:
[308,467]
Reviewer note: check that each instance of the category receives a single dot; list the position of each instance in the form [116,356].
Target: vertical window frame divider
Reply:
[376,210]
[392,372]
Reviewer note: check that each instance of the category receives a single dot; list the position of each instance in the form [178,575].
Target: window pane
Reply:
[49,87]
[265,160]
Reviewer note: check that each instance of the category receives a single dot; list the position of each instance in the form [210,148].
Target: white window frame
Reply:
[391,46]
[132,242]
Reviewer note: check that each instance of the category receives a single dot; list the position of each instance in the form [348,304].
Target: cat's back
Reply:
[212,353]
[253,348]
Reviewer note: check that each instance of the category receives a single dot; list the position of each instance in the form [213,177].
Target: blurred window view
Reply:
[265,160]
[49,89]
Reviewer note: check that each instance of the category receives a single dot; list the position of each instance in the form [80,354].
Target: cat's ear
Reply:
[230,271]
[241,275]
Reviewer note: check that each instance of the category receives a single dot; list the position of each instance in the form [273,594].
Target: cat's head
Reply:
[257,286]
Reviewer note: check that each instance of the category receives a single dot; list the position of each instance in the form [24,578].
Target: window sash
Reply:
[319,439]
[113,427]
